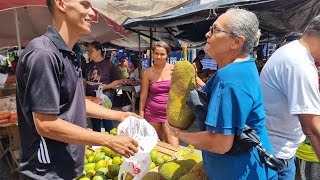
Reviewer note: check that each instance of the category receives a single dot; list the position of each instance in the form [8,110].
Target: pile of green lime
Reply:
[101,164]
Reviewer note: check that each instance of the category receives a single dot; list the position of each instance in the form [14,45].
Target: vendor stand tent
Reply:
[277,17]
[16,14]
[24,20]
[131,40]
[120,11]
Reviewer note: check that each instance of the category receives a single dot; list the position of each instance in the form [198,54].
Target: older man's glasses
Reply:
[215,30]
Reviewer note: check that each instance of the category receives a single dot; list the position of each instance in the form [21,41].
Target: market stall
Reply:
[9,135]
[167,163]
[133,89]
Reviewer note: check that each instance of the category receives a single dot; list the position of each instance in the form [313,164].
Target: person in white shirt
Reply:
[291,97]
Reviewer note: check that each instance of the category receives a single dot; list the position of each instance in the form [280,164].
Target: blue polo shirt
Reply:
[236,100]
[49,82]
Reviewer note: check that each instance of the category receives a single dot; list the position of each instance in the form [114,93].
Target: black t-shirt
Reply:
[49,82]
[104,72]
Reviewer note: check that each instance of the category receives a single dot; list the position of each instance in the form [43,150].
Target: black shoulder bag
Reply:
[198,103]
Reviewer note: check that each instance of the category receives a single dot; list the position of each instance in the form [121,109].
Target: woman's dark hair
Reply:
[163,45]
[98,46]
[201,52]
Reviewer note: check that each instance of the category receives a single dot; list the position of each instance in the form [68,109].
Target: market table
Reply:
[94,99]
[9,131]
[127,89]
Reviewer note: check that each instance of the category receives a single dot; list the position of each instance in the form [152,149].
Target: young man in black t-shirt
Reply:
[51,103]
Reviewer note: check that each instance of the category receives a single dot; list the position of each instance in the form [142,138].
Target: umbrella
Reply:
[24,20]
[120,11]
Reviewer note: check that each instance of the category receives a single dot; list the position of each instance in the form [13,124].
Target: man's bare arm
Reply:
[97,111]
[204,140]
[311,127]
[50,126]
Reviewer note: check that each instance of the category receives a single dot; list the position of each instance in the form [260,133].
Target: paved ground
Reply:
[5,172]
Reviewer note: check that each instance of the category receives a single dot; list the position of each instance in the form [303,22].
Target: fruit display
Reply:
[176,169]
[182,82]
[104,164]
[101,164]
[197,172]
[184,164]
[153,176]
[158,159]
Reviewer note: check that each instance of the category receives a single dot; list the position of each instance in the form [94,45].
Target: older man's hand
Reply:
[173,130]
[123,145]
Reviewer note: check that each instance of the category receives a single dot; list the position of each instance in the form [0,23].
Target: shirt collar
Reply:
[55,37]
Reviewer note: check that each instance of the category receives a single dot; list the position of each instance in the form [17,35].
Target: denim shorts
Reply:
[289,169]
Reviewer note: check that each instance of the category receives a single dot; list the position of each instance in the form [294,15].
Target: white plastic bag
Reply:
[141,131]
[106,102]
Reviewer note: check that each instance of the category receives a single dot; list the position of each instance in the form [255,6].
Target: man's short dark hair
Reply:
[50,5]
[314,26]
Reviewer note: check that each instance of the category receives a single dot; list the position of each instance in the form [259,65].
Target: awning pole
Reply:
[140,57]
[267,54]
[151,38]
[16,19]
[139,40]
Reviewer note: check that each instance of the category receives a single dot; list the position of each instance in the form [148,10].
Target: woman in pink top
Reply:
[155,85]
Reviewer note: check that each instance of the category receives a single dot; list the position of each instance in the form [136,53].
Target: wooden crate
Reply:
[165,149]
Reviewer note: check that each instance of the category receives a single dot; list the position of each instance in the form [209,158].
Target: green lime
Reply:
[88,153]
[116,160]
[100,164]
[102,171]
[154,155]
[153,165]
[122,159]
[114,131]
[99,156]
[89,166]
[99,178]
[166,158]
[105,149]
[95,153]
[190,148]
[92,171]
[84,178]
[114,169]
[90,159]
[159,160]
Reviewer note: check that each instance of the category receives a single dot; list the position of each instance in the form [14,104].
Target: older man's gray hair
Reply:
[314,26]
[245,23]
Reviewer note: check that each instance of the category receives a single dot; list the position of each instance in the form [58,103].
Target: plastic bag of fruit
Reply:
[141,131]
[106,102]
